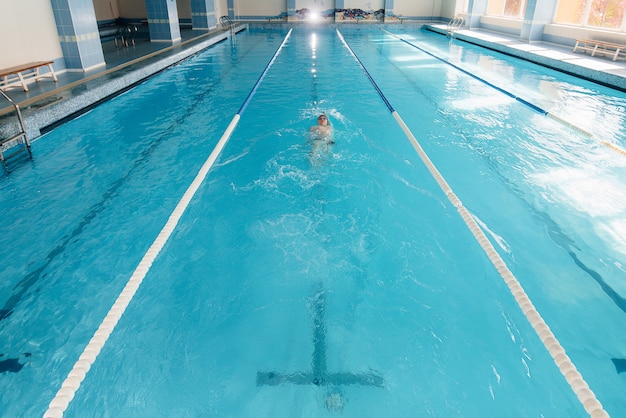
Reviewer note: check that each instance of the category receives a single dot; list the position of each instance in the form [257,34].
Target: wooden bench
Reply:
[18,75]
[617,51]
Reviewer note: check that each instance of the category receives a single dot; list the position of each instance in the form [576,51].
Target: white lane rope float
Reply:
[68,389]
[519,99]
[573,377]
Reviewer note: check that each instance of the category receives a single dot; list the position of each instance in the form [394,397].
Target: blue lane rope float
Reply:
[578,385]
[501,90]
[66,393]
[613,147]
[262,76]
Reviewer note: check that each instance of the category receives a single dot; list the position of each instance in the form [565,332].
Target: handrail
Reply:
[21,134]
[125,33]
[227,23]
[455,24]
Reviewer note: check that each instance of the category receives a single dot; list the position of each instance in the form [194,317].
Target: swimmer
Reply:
[322,131]
[322,138]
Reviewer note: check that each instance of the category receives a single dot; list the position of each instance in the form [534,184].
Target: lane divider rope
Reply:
[519,99]
[614,147]
[482,80]
[578,385]
[68,389]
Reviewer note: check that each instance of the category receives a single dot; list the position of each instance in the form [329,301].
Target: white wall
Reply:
[131,9]
[260,8]
[424,8]
[28,32]
[315,5]
[564,33]
[366,5]
[221,9]
[451,8]
[502,24]
[106,9]
[184,9]
[28,28]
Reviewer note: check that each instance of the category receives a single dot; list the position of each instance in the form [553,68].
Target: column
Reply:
[389,14]
[389,8]
[78,34]
[475,10]
[203,14]
[163,20]
[291,10]
[231,9]
[535,18]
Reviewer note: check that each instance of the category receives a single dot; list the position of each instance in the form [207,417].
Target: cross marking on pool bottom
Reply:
[319,374]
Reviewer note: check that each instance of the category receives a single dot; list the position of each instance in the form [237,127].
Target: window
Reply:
[461,6]
[506,8]
[608,14]
[570,11]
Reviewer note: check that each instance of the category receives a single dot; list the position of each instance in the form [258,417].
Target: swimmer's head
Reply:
[322,119]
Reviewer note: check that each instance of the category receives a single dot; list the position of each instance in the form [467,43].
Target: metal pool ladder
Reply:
[126,35]
[227,23]
[20,138]
[455,24]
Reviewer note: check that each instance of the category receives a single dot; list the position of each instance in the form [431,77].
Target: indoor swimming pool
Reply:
[298,276]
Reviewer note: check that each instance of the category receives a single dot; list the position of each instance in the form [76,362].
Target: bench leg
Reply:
[594,51]
[582,46]
[21,77]
[39,76]
[54,76]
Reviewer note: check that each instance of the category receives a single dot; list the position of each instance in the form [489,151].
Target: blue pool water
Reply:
[339,284]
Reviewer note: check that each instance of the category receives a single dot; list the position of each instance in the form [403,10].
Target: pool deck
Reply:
[601,70]
[49,103]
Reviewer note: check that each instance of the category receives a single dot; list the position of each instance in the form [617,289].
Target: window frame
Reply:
[585,19]
[521,11]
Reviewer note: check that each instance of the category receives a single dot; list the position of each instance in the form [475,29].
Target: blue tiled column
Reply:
[388,7]
[291,10]
[203,14]
[163,20]
[535,18]
[475,9]
[78,33]
[340,4]
[231,8]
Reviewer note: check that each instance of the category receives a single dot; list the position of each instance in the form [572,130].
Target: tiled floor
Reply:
[116,59]
[599,69]
[138,61]
[46,103]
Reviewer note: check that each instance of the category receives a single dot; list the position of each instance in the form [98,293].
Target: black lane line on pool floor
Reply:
[620,301]
[70,385]
[319,375]
[579,386]
[501,90]
[20,289]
